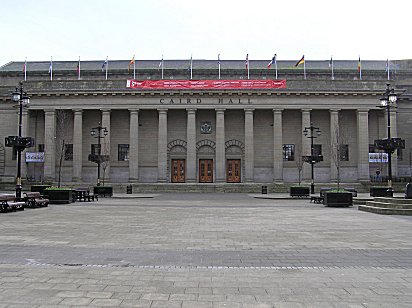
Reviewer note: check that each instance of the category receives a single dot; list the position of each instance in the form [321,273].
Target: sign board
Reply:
[378,157]
[205,84]
[34,157]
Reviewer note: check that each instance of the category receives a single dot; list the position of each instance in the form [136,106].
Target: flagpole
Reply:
[247,63]
[162,66]
[331,63]
[51,68]
[276,67]
[388,67]
[134,67]
[107,65]
[218,62]
[191,67]
[78,76]
[25,69]
[304,68]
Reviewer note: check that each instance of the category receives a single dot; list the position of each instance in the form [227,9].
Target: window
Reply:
[41,147]
[317,149]
[344,152]
[68,152]
[95,149]
[123,152]
[288,152]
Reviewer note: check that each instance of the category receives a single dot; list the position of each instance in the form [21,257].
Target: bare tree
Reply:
[338,151]
[299,162]
[63,137]
[105,159]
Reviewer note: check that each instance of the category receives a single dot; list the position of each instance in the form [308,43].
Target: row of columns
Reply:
[220,158]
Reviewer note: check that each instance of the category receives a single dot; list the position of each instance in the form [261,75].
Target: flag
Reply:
[272,61]
[51,68]
[78,69]
[105,63]
[161,64]
[360,68]
[25,69]
[301,61]
[191,67]
[131,63]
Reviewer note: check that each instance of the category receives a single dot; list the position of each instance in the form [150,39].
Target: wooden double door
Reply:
[205,170]
[178,170]
[233,170]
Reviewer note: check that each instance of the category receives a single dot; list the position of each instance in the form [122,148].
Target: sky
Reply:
[177,29]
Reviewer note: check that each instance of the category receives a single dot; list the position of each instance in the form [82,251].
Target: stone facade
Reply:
[242,133]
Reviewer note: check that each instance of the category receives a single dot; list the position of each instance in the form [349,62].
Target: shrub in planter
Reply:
[103,191]
[338,198]
[299,191]
[59,195]
[39,188]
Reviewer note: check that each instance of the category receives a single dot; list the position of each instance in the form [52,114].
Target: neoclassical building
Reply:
[245,134]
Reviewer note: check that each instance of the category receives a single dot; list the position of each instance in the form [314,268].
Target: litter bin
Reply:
[408,191]
[128,189]
[264,189]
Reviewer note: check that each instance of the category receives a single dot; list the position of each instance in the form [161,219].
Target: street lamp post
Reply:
[99,129]
[20,97]
[312,132]
[390,144]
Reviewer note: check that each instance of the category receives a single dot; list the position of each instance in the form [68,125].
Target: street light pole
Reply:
[20,97]
[309,132]
[99,129]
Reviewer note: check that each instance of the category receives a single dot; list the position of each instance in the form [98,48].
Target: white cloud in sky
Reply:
[178,28]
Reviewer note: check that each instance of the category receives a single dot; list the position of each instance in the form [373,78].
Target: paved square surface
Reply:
[204,250]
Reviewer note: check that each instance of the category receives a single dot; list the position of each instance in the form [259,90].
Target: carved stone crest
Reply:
[206,127]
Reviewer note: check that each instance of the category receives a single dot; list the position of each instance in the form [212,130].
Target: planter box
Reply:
[379,192]
[338,199]
[104,191]
[39,188]
[298,191]
[59,196]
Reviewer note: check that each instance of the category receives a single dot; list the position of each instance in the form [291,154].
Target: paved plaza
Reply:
[204,250]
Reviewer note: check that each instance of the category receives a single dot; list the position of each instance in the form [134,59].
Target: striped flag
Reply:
[105,65]
[132,62]
[302,61]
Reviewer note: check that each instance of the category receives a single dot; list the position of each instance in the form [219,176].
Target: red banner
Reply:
[205,84]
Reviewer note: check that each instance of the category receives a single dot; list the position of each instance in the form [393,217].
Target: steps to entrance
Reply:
[388,206]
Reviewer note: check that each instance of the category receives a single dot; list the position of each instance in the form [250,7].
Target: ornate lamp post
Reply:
[98,158]
[389,145]
[20,97]
[312,132]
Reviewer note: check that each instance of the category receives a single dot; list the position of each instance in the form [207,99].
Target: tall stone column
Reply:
[49,145]
[191,146]
[106,148]
[249,146]
[77,145]
[363,144]
[277,145]
[334,143]
[134,145]
[25,133]
[162,147]
[306,147]
[220,146]
[394,133]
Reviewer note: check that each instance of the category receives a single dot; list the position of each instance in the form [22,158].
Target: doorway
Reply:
[233,171]
[206,170]
[178,170]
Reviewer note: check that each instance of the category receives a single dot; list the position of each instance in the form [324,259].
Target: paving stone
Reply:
[106,302]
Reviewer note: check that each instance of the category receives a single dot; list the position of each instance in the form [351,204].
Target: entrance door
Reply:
[233,171]
[206,170]
[178,170]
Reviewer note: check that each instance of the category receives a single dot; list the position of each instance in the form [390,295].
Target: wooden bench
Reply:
[315,199]
[35,199]
[8,203]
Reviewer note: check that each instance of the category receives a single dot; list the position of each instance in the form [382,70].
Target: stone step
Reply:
[385,211]
[393,200]
[389,205]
